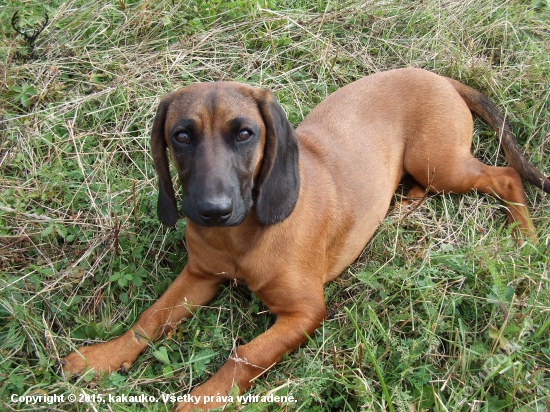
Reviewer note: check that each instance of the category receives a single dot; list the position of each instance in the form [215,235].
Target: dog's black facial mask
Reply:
[234,150]
[216,168]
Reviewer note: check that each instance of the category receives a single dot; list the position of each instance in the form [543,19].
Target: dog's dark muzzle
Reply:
[214,212]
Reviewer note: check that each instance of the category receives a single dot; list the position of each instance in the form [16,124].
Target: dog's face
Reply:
[234,151]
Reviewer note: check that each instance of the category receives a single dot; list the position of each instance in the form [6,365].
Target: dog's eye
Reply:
[182,137]
[244,135]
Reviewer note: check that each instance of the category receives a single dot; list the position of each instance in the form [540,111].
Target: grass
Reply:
[442,312]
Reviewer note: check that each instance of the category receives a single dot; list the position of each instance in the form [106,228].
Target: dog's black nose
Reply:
[215,211]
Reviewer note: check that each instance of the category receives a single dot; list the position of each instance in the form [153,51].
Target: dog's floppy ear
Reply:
[278,182]
[167,209]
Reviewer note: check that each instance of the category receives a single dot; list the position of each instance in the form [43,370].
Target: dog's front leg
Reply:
[181,299]
[299,312]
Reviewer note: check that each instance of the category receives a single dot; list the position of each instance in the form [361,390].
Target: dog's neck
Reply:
[233,240]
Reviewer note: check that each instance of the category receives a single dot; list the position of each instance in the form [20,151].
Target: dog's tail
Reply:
[481,105]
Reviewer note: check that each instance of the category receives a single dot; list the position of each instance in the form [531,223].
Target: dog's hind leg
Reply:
[414,195]
[465,173]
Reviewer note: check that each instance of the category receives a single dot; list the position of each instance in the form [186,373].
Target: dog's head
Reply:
[234,151]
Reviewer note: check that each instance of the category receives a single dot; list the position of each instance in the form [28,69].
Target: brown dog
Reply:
[287,211]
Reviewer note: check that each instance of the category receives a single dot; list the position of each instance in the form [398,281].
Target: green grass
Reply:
[442,312]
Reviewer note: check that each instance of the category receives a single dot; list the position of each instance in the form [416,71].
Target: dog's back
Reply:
[410,121]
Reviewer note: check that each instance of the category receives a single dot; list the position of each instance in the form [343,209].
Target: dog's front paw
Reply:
[220,390]
[118,354]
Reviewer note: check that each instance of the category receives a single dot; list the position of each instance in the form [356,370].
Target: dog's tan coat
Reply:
[354,148]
